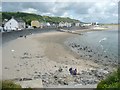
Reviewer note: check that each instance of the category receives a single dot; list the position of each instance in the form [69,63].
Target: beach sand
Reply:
[37,55]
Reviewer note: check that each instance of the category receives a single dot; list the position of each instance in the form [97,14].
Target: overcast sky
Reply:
[103,12]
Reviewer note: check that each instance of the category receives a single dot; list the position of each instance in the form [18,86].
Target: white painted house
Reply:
[77,24]
[66,24]
[14,24]
[61,24]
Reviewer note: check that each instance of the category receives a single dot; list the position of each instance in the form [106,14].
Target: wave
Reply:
[102,40]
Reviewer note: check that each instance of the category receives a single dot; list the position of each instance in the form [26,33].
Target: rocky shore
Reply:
[62,78]
[90,54]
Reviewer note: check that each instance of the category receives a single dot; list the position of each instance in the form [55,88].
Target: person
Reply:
[70,70]
[75,72]
[25,36]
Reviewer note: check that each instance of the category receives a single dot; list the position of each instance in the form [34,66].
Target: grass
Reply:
[10,85]
[7,85]
[111,82]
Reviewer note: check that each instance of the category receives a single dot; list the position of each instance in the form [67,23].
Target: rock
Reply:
[26,79]
[80,55]
[66,67]
[35,71]
[105,56]
[100,73]
[21,36]
[84,48]
[37,76]
[88,80]
[62,82]
[75,45]
[60,69]
[90,55]
[96,61]
[25,53]
[6,68]
[80,48]
[37,56]
[18,70]
[55,77]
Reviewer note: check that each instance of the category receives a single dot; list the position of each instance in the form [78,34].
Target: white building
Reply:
[87,24]
[66,24]
[61,24]
[48,24]
[14,24]
[77,24]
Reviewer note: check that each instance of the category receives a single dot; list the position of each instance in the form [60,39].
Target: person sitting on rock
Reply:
[75,72]
[71,71]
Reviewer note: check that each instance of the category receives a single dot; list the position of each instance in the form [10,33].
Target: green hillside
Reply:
[29,17]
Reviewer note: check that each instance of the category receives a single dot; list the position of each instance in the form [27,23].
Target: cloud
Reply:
[0,8]
[30,10]
[106,11]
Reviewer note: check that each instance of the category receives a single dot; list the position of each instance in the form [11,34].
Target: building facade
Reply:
[14,24]
[35,24]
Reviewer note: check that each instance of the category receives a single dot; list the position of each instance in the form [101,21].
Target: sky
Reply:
[85,10]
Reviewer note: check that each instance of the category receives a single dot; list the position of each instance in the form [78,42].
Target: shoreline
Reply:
[39,58]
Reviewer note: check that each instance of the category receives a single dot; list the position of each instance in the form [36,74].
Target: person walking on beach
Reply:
[25,36]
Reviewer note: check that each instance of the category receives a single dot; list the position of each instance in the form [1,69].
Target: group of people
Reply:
[73,72]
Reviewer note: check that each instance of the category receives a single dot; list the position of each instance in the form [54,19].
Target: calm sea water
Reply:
[102,43]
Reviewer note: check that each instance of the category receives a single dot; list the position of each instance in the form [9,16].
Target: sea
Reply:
[99,46]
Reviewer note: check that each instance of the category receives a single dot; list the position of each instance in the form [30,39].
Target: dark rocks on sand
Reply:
[35,72]
[96,61]
[55,77]
[105,56]
[90,55]
[90,50]
[21,36]
[37,76]
[25,53]
[18,70]
[60,69]
[26,79]
[62,82]
[6,68]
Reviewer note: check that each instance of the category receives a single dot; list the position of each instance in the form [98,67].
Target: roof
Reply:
[19,20]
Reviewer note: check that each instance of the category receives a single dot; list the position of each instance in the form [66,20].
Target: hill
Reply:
[27,17]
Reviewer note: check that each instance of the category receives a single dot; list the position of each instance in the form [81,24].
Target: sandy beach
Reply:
[43,60]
